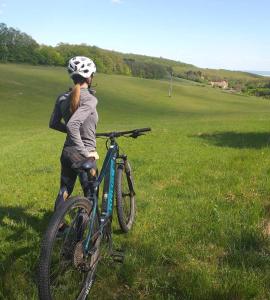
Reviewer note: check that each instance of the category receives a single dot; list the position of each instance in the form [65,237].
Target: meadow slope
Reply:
[202,183]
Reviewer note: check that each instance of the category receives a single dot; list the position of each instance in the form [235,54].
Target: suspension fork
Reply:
[124,165]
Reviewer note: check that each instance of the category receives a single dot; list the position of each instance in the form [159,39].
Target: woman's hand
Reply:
[93,154]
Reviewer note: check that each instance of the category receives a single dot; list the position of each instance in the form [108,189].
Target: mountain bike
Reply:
[69,259]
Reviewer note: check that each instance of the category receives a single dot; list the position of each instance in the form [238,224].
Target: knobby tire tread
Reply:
[48,242]
[121,175]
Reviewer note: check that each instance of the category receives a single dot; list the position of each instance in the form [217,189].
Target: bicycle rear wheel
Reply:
[65,270]
[125,197]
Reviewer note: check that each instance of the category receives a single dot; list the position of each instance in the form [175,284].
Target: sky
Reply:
[229,34]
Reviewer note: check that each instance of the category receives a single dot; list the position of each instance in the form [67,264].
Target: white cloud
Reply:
[117,1]
[1,12]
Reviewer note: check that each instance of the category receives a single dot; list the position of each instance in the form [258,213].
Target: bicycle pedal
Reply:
[118,259]
[118,256]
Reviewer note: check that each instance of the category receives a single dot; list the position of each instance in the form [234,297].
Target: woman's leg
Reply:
[84,182]
[85,179]
[68,178]
[68,175]
[67,183]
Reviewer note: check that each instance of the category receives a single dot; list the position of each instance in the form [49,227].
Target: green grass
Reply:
[202,183]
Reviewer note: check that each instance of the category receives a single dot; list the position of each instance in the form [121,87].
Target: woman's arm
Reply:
[56,117]
[86,107]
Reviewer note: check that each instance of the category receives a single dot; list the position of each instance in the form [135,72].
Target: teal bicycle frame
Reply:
[107,173]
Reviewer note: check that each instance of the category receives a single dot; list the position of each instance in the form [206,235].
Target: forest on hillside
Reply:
[19,47]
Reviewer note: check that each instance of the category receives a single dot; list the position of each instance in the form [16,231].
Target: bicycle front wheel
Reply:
[66,268]
[125,197]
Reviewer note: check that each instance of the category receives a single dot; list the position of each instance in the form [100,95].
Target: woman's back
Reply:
[81,126]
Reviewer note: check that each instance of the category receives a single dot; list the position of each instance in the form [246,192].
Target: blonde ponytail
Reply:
[75,97]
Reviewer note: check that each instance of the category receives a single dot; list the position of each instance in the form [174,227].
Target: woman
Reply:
[78,111]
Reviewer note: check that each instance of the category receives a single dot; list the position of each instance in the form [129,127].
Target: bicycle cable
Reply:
[107,143]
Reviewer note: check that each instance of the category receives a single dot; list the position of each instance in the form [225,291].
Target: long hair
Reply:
[76,92]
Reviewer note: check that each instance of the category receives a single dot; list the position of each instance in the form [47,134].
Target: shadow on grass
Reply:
[21,233]
[20,215]
[166,276]
[250,250]
[241,140]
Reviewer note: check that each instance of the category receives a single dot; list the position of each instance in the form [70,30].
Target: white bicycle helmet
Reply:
[82,66]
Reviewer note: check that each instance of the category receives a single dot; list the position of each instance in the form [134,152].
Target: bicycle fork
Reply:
[124,165]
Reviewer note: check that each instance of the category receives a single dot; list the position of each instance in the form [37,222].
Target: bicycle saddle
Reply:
[85,165]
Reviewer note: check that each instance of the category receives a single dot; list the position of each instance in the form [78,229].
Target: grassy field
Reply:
[202,183]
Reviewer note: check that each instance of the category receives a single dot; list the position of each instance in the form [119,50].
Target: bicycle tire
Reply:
[67,254]
[125,197]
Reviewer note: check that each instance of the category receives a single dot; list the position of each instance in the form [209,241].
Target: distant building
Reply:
[223,84]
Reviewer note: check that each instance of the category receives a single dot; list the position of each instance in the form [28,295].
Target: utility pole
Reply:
[171,85]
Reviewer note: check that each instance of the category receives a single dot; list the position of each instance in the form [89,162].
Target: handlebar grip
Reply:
[143,129]
[102,134]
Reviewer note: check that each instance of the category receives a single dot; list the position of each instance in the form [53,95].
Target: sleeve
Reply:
[73,126]
[56,117]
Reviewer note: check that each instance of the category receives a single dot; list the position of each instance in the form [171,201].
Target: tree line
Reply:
[257,88]
[17,46]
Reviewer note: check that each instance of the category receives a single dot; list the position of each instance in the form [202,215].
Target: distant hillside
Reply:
[16,46]
[261,73]
[189,71]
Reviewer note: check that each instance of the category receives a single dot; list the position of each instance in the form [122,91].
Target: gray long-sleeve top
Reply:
[81,126]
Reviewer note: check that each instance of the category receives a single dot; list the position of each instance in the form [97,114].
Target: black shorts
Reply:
[68,175]
[70,156]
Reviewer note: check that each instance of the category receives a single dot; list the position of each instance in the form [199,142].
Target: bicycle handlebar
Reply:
[132,133]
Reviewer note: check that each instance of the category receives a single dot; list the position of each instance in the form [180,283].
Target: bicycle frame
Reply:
[108,169]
